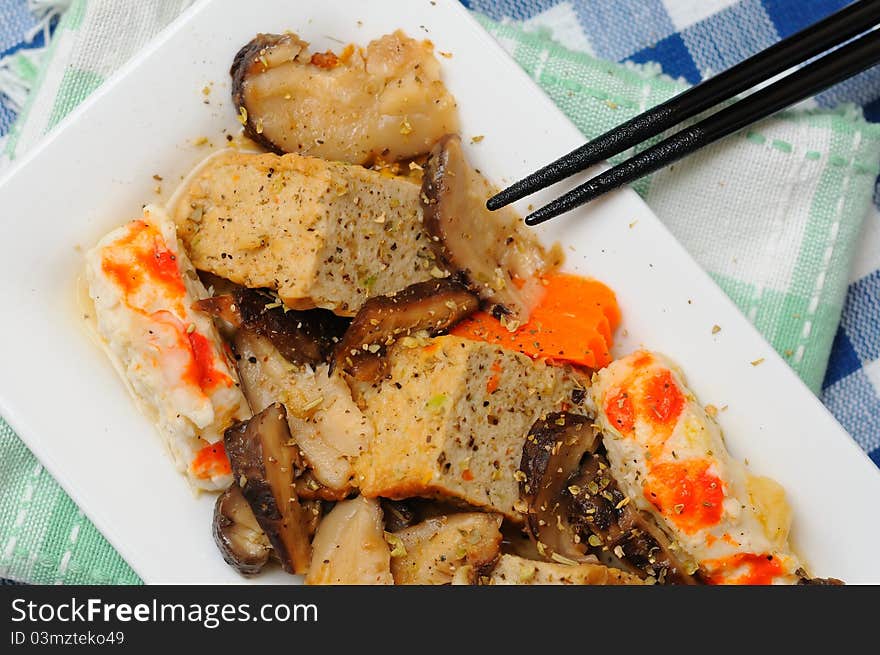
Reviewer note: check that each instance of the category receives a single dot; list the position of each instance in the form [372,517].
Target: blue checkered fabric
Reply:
[851,389]
[15,22]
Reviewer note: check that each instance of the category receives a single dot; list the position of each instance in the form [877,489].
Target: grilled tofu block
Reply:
[323,234]
[515,570]
[451,417]
[431,551]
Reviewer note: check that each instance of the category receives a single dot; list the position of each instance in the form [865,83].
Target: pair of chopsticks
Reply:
[834,67]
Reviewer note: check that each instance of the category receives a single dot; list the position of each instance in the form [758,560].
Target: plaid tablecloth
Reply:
[690,40]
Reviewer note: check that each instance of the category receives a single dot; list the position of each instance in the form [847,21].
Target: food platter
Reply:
[98,168]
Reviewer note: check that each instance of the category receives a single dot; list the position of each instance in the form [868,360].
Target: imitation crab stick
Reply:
[668,456]
[574,322]
[143,287]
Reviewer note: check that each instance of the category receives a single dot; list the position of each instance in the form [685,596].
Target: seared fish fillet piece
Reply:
[143,287]
[323,234]
[451,417]
[669,457]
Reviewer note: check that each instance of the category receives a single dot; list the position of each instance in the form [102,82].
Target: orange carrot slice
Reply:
[574,322]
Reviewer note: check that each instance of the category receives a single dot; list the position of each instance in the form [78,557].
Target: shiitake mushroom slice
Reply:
[433,306]
[263,465]
[237,533]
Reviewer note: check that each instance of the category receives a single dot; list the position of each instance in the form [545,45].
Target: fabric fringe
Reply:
[15,83]
[17,71]
[45,11]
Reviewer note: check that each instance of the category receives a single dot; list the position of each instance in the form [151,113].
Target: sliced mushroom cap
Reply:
[573,501]
[385,101]
[433,306]
[327,426]
[237,533]
[805,579]
[350,546]
[431,551]
[302,337]
[825,582]
[501,260]
[604,517]
[309,488]
[222,306]
[263,464]
[253,59]
[514,570]
[398,514]
[216,284]
[552,454]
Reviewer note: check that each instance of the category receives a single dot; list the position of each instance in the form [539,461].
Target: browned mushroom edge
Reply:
[574,502]
[264,465]
[216,284]
[381,103]
[307,487]
[237,533]
[605,518]
[223,307]
[552,453]
[804,579]
[246,62]
[264,375]
[398,514]
[433,306]
[302,337]
[498,258]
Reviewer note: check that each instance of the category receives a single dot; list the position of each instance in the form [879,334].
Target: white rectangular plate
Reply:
[63,397]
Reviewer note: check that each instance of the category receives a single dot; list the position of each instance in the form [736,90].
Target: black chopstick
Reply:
[834,67]
[831,31]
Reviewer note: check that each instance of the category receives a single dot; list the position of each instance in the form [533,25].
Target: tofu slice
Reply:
[515,570]
[430,552]
[451,418]
[171,357]
[350,547]
[323,234]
